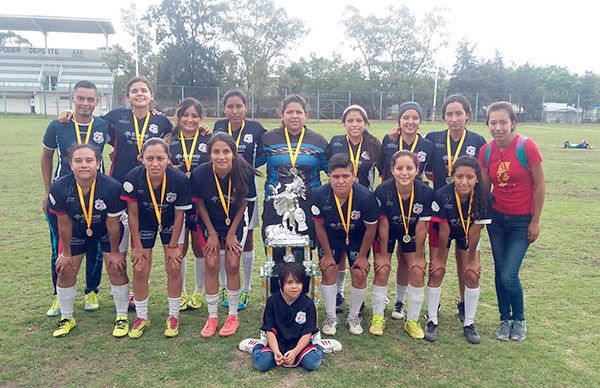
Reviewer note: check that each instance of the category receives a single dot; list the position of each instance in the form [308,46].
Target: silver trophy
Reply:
[287,205]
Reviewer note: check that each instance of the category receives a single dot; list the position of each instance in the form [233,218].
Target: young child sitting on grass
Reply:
[289,321]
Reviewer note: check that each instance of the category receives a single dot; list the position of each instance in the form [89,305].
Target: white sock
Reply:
[121,297]
[174,306]
[357,297]
[400,292]
[183,268]
[416,295]
[247,264]
[66,297]
[339,281]
[141,308]
[211,302]
[222,272]
[234,298]
[200,269]
[471,302]
[378,295]
[433,301]
[328,293]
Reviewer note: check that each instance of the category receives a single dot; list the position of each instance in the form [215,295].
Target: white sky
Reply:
[541,33]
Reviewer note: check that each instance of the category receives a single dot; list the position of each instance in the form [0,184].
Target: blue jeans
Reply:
[508,236]
[265,361]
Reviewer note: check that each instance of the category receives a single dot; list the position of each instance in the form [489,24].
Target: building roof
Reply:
[47,24]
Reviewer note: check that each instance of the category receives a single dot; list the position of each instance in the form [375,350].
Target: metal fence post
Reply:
[252,102]
[476,106]
[217,110]
[4,96]
[318,104]
[543,103]
[380,105]
[349,97]
[182,92]
[510,98]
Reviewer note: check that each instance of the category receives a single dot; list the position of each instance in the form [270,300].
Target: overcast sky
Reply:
[541,33]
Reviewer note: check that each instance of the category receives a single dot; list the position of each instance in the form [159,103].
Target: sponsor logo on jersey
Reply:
[421,156]
[248,138]
[202,148]
[435,207]
[301,317]
[355,215]
[99,205]
[418,208]
[146,234]
[171,197]
[153,128]
[470,151]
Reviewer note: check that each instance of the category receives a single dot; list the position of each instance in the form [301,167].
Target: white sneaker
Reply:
[330,326]
[354,325]
[249,343]
[329,345]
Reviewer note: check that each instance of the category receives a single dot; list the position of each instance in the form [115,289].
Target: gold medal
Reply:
[188,156]
[239,136]
[227,221]
[449,180]
[87,211]
[406,238]
[157,209]
[139,137]
[293,170]
[293,153]
[78,134]
[354,158]
[406,220]
[226,205]
[449,151]
[466,225]
[345,221]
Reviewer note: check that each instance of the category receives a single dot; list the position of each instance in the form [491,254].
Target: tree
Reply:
[142,40]
[9,38]
[590,90]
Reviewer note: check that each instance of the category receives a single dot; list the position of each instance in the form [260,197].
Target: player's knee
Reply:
[471,278]
[437,272]
[358,274]
[417,270]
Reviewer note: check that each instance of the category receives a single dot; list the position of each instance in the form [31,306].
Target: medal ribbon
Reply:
[157,210]
[139,137]
[353,158]
[239,136]
[187,157]
[78,134]
[412,148]
[406,220]
[87,211]
[345,221]
[460,213]
[449,149]
[226,206]
[293,154]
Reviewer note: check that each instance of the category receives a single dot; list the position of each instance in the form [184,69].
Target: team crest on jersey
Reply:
[421,156]
[301,317]
[98,137]
[99,205]
[153,128]
[355,215]
[248,138]
[365,155]
[127,186]
[171,197]
[202,148]
[52,200]
[435,207]
[315,210]
[470,151]
[418,208]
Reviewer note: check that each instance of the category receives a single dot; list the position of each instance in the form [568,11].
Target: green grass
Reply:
[560,276]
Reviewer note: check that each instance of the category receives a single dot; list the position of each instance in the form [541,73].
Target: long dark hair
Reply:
[480,193]
[240,169]
[182,107]
[373,145]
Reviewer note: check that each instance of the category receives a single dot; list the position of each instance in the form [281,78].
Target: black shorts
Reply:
[241,233]
[191,218]
[339,249]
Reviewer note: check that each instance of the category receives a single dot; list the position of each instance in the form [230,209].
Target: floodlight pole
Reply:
[135,34]
[435,84]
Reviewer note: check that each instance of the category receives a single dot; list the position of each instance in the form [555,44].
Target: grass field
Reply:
[561,276]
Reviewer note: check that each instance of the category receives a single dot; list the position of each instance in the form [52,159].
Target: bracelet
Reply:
[170,247]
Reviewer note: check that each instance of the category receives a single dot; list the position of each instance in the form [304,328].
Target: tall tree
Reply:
[10,38]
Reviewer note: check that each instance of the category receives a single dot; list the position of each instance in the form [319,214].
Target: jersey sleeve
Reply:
[486,212]
[438,210]
[184,193]
[371,214]
[56,199]
[251,196]
[380,198]
[481,156]
[129,187]
[427,202]
[269,316]
[49,140]
[196,184]
[116,206]
[166,127]
[317,205]
[261,156]
[310,327]
[429,165]
[532,152]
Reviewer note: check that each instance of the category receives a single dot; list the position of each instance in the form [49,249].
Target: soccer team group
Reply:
[189,185]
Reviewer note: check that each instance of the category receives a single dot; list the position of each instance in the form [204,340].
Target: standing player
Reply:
[222,188]
[405,209]
[449,145]
[88,207]
[461,209]
[247,135]
[513,165]
[189,149]
[409,120]
[345,215]
[157,197]
[81,128]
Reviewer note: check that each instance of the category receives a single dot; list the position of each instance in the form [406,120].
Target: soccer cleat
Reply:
[431,332]
[64,327]
[138,328]
[196,300]
[248,344]
[354,325]
[413,328]
[398,311]
[183,303]
[471,334]
[330,326]
[230,326]
[54,310]
[460,311]
[224,298]
[503,330]
[329,345]
[339,303]
[91,302]
[244,298]
[518,332]
[172,329]
[210,327]
[377,325]
[121,327]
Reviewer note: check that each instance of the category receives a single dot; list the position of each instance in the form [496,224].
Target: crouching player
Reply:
[88,208]
[289,321]
[345,215]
